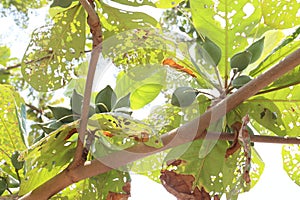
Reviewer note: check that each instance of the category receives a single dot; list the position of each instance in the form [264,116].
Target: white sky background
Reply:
[274,183]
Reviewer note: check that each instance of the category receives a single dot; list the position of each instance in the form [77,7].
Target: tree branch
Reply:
[95,27]
[184,134]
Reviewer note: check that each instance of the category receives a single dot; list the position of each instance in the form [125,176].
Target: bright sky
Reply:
[274,183]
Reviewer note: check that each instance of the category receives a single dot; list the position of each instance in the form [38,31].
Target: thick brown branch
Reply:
[186,133]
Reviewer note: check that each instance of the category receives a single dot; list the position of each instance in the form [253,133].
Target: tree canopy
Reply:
[179,91]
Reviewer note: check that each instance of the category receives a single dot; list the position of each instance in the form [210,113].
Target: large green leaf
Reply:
[11,138]
[278,14]
[291,161]
[227,24]
[215,173]
[54,50]
[48,157]
[98,187]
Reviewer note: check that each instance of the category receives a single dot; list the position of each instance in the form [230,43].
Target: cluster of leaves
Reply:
[210,53]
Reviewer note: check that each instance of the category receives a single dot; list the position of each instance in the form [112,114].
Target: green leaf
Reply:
[114,20]
[15,160]
[183,96]
[256,49]
[287,101]
[135,77]
[266,113]
[144,94]
[149,166]
[278,14]
[76,104]
[214,173]
[123,102]
[105,99]
[4,55]
[48,157]
[54,50]
[63,114]
[21,116]
[240,81]
[241,60]
[3,185]
[119,131]
[213,51]
[291,161]
[10,137]
[158,4]
[98,187]
[276,53]
[61,3]
[227,24]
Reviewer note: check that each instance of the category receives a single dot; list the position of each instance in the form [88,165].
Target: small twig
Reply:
[28,62]
[254,138]
[32,107]
[32,61]
[278,88]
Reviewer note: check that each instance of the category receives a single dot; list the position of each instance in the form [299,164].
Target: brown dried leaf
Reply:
[181,186]
[118,196]
[235,145]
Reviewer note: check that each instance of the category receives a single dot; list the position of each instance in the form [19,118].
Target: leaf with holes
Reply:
[11,138]
[291,161]
[120,131]
[115,20]
[287,102]
[278,14]
[114,184]
[48,157]
[214,173]
[227,24]
[54,50]
[157,4]
[266,113]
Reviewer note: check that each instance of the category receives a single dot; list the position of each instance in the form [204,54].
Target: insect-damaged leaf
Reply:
[112,185]
[54,50]
[12,136]
[119,131]
[48,157]
[291,161]
[213,173]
